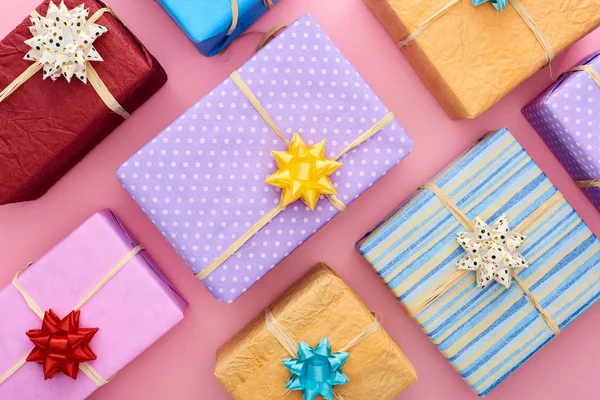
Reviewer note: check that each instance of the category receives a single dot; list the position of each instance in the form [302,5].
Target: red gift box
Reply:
[46,127]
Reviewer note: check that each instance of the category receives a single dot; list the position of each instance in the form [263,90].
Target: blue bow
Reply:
[498,4]
[317,371]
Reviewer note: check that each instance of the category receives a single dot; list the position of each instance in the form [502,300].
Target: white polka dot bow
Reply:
[63,42]
[491,252]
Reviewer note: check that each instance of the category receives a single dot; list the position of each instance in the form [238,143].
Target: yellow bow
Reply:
[303,172]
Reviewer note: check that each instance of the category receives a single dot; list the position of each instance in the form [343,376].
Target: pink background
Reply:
[180,365]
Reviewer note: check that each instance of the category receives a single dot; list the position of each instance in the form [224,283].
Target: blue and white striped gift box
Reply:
[488,333]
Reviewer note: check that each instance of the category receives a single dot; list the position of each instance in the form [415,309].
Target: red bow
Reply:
[61,345]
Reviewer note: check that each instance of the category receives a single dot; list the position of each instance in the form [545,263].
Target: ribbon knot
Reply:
[491,251]
[303,172]
[63,42]
[316,371]
[61,345]
[498,4]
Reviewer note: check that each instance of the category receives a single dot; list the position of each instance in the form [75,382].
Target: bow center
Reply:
[58,345]
[317,369]
[491,251]
[303,169]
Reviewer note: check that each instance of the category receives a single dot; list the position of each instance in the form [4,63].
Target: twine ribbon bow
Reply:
[62,45]
[86,368]
[318,380]
[506,271]
[499,5]
[303,172]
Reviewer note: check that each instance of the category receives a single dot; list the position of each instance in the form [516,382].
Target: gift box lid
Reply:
[488,333]
[202,180]
[135,307]
[207,22]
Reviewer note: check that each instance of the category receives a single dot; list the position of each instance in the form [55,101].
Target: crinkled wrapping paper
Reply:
[472,57]
[318,306]
[487,334]
[133,310]
[567,117]
[201,180]
[47,127]
[207,22]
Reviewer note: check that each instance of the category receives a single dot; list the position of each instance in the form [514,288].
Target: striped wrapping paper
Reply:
[488,333]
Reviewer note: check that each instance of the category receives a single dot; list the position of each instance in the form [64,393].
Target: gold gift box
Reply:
[318,306]
[471,57]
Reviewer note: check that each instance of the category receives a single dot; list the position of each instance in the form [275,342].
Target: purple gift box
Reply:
[567,117]
[201,180]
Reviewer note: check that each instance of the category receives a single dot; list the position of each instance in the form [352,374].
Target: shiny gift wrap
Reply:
[318,306]
[208,23]
[567,117]
[202,180]
[46,127]
[488,333]
[133,310]
[471,57]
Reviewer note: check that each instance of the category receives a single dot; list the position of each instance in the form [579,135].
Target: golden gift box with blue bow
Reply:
[472,53]
[318,318]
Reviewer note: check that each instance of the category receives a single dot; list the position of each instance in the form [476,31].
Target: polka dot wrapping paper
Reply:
[201,180]
[488,333]
[567,117]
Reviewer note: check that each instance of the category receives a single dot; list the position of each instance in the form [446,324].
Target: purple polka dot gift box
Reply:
[567,117]
[257,166]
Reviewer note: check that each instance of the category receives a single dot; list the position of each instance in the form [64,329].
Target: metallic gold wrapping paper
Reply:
[318,306]
[472,57]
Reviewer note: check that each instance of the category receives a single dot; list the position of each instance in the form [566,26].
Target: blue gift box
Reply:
[207,22]
[488,333]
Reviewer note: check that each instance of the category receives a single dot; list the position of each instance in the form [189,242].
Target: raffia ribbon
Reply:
[588,184]
[84,367]
[290,345]
[92,75]
[595,75]
[271,33]
[235,13]
[267,37]
[268,217]
[549,52]
[428,298]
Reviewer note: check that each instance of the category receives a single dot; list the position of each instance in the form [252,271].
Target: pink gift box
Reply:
[135,308]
